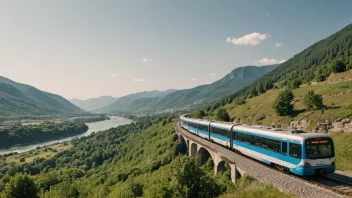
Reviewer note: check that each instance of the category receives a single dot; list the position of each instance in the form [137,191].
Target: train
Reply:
[292,151]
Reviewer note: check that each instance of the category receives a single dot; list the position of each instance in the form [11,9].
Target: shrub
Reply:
[221,115]
[313,101]
[282,104]
[337,66]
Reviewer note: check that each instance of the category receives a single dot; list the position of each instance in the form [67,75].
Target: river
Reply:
[93,127]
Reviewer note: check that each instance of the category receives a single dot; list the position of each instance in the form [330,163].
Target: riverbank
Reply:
[114,121]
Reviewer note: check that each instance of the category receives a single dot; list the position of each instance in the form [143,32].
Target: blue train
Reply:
[294,151]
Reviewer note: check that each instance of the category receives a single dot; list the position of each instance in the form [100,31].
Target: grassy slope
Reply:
[336,96]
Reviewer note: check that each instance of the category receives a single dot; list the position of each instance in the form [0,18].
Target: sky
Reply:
[83,49]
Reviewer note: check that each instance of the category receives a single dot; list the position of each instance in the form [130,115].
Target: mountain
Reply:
[325,68]
[204,94]
[316,62]
[123,103]
[21,99]
[93,103]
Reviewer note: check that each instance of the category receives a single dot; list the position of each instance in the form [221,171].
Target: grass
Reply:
[251,188]
[343,150]
[258,110]
[43,152]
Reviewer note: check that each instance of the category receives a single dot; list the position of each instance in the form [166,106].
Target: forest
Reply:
[23,134]
[142,159]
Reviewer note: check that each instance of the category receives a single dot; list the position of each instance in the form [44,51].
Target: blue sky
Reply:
[82,49]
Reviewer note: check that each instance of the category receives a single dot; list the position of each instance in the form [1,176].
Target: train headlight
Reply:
[307,165]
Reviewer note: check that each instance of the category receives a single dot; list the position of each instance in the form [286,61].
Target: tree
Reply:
[239,100]
[259,88]
[198,114]
[313,101]
[268,85]
[319,75]
[349,66]
[337,66]
[295,84]
[282,104]
[189,180]
[221,115]
[21,186]
[252,92]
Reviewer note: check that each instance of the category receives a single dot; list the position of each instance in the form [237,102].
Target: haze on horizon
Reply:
[84,49]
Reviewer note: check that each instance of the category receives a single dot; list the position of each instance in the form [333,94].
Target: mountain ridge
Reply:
[22,99]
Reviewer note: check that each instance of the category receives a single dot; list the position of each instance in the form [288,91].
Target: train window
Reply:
[295,150]
[274,145]
[203,127]
[258,141]
[218,131]
[284,148]
[264,143]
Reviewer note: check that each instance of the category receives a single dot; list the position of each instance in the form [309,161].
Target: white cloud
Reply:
[113,75]
[269,61]
[193,79]
[138,80]
[279,44]
[267,14]
[212,74]
[146,60]
[254,38]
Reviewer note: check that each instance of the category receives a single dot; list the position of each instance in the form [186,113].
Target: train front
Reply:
[318,156]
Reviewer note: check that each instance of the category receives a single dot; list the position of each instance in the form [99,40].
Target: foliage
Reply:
[349,66]
[337,66]
[222,115]
[41,132]
[198,114]
[282,104]
[313,101]
[21,186]
[319,75]
[304,66]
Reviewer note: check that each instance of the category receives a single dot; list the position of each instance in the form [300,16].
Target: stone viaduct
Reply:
[202,149]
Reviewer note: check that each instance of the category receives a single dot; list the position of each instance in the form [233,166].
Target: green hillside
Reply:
[313,64]
[19,99]
[120,163]
[123,103]
[204,94]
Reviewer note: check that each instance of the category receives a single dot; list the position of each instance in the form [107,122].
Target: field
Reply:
[42,152]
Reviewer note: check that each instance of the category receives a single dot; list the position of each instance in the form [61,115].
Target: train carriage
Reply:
[293,151]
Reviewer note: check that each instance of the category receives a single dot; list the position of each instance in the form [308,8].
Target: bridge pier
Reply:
[203,154]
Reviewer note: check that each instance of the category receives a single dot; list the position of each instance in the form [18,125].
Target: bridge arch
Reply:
[203,155]
[193,150]
[222,167]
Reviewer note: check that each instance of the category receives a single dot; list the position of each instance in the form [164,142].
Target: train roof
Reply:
[297,135]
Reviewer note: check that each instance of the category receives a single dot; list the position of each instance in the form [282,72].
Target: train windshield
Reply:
[319,148]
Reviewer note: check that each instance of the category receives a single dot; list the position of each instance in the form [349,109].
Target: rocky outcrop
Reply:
[325,126]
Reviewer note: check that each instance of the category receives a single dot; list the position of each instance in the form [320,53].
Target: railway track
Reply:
[334,184]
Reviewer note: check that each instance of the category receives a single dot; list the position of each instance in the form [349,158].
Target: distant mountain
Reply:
[93,103]
[21,99]
[204,94]
[124,103]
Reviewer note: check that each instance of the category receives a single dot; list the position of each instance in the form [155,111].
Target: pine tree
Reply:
[319,75]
